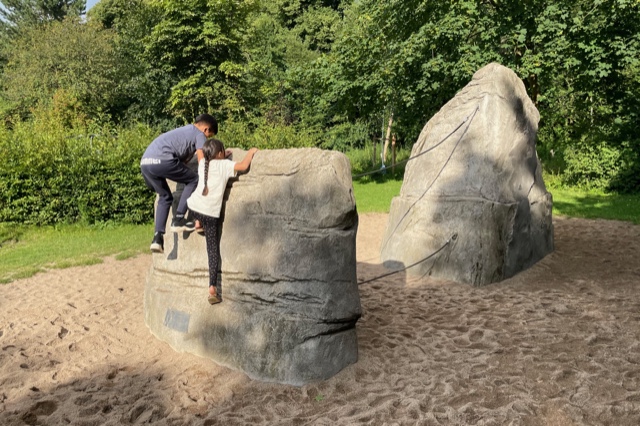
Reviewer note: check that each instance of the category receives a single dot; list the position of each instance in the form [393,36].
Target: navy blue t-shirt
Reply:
[180,143]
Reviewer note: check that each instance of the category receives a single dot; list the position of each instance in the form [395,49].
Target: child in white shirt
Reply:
[214,170]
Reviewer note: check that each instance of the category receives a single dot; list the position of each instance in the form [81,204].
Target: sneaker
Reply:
[182,224]
[157,245]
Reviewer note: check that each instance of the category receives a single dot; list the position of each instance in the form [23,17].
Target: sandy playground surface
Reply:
[558,344]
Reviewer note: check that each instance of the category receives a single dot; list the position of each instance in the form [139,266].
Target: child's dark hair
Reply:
[210,150]
[209,120]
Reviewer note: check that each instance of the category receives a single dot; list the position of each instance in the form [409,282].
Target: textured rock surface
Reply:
[290,297]
[477,193]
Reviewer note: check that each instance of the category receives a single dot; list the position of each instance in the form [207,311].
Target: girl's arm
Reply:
[243,165]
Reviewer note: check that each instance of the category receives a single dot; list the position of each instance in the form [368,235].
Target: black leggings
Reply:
[210,225]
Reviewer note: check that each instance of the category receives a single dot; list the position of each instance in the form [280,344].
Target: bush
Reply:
[627,180]
[592,165]
[265,136]
[346,136]
[362,161]
[55,175]
[60,175]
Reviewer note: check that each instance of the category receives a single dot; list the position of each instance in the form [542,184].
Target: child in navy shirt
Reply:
[166,158]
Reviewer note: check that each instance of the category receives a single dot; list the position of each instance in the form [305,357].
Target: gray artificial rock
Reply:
[289,290]
[474,199]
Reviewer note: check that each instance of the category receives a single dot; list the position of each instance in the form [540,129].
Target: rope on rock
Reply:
[383,168]
[472,116]
[452,238]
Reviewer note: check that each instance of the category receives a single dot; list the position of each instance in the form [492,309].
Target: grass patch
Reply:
[362,160]
[127,254]
[596,205]
[25,251]
[375,188]
[9,234]
[374,195]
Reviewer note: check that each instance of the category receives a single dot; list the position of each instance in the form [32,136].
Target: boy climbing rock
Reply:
[166,158]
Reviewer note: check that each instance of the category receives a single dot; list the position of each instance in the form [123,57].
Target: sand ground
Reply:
[558,344]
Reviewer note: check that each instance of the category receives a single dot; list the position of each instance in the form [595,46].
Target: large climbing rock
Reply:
[474,203]
[290,296]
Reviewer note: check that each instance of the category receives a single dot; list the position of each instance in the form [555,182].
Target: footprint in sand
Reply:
[42,408]
[476,335]
[143,413]
[63,333]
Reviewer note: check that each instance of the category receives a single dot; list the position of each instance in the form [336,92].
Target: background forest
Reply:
[82,95]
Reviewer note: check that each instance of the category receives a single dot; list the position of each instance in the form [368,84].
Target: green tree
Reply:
[283,38]
[402,57]
[579,62]
[236,58]
[17,13]
[145,89]
[577,58]
[68,65]
[197,43]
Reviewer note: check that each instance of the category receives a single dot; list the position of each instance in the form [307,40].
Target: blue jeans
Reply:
[156,175]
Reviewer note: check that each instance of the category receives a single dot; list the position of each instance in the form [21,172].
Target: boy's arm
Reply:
[243,165]
[199,154]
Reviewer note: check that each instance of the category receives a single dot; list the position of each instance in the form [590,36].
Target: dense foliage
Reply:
[17,14]
[326,73]
[73,71]
[59,177]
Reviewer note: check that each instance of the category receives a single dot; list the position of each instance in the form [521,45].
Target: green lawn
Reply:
[592,205]
[375,195]
[26,250]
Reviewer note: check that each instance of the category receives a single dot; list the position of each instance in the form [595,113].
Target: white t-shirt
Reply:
[220,171]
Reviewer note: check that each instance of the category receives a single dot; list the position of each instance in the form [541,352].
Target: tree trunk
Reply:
[375,143]
[393,153]
[386,139]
